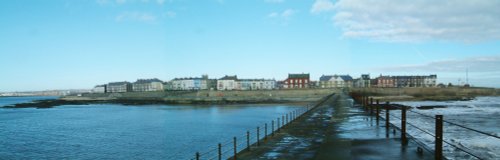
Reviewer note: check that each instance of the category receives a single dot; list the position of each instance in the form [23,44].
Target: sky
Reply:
[77,44]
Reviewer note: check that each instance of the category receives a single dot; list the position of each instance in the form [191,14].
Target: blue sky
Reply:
[65,44]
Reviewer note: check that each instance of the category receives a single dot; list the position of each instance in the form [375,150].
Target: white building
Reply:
[430,81]
[335,81]
[255,84]
[227,83]
[190,83]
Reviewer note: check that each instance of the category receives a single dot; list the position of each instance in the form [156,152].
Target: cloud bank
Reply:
[475,64]
[396,20]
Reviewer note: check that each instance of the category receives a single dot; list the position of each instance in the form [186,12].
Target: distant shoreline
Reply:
[260,96]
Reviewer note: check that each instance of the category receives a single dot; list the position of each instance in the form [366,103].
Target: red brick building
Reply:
[297,81]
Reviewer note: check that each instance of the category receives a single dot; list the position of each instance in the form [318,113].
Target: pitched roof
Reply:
[148,80]
[229,78]
[118,83]
[325,78]
[346,77]
[298,75]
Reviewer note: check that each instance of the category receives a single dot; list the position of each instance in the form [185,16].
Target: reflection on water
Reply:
[126,132]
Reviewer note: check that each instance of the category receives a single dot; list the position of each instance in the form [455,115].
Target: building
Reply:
[255,84]
[297,81]
[116,87]
[430,81]
[385,81]
[147,85]
[191,83]
[99,89]
[227,83]
[415,81]
[335,81]
[365,81]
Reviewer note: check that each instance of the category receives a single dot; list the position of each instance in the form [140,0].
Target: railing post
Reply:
[387,120]
[197,155]
[272,127]
[265,131]
[403,125]
[220,151]
[370,106]
[438,149]
[248,140]
[282,120]
[287,119]
[258,136]
[235,149]
[377,111]
[278,125]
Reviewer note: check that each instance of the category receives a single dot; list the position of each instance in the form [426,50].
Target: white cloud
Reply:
[274,1]
[286,14]
[135,16]
[322,6]
[474,64]
[403,21]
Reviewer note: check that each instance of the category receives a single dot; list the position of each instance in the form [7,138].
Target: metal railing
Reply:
[255,137]
[368,105]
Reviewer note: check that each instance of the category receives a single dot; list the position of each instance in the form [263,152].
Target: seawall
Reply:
[206,96]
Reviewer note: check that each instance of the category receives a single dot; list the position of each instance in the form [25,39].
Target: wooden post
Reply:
[197,155]
[235,149]
[220,151]
[387,120]
[438,147]
[377,111]
[248,140]
[370,106]
[387,115]
[403,126]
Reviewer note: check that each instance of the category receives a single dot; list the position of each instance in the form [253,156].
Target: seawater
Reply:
[112,131]
[482,113]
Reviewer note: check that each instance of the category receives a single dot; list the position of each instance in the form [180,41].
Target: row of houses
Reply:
[294,81]
[345,81]
[141,85]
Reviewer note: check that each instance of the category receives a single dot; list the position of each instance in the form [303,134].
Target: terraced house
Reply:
[147,85]
[191,83]
[117,87]
[297,81]
[335,81]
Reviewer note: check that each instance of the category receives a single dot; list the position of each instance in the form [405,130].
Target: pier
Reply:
[336,128]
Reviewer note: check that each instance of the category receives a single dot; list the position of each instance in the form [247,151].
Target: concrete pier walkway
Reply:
[335,130]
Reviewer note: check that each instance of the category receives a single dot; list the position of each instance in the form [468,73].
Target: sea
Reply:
[461,134]
[113,131]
